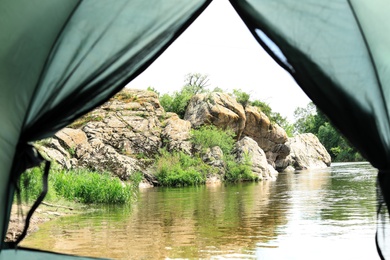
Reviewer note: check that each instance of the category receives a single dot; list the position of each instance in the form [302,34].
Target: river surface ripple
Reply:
[319,214]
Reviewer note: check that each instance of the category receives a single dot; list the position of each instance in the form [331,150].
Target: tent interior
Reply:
[60,59]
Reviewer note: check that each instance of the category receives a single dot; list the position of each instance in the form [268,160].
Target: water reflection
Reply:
[267,220]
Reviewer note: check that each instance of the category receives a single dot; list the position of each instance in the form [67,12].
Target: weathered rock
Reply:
[260,166]
[218,109]
[71,138]
[106,158]
[224,112]
[176,134]
[53,151]
[270,137]
[259,128]
[122,134]
[130,123]
[306,153]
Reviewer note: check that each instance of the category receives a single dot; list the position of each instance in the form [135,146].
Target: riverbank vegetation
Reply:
[81,185]
[180,169]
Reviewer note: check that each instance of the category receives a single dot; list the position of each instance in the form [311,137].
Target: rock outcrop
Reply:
[214,157]
[217,109]
[306,153]
[270,137]
[224,111]
[247,147]
[176,134]
[120,136]
[124,135]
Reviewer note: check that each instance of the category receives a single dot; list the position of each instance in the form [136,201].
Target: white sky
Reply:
[218,44]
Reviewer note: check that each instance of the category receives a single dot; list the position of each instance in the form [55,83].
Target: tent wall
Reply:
[60,59]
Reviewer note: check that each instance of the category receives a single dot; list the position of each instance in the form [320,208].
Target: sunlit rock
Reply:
[306,153]
[219,109]
[247,147]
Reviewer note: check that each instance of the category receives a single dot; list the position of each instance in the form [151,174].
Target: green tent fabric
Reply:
[59,59]
[37,255]
[339,54]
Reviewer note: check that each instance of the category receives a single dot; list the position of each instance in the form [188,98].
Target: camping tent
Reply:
[60,59]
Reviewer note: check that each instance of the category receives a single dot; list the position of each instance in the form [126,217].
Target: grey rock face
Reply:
[248,147]
[306,153]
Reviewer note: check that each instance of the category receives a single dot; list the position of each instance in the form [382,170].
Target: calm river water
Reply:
[322,214]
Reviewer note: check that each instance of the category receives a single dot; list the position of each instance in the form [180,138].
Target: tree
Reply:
[196,83]
[305,119]
[178,102]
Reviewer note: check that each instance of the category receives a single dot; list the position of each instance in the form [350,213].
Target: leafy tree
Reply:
[196,83]
[305,119]
[241,97]
[178,102]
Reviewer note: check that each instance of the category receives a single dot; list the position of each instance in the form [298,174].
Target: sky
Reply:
[219,45]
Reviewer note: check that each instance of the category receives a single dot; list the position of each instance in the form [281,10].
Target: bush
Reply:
[239,171]
[179,169]
[209,136]
[241,97]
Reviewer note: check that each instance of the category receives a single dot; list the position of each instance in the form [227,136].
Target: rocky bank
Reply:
[124,135]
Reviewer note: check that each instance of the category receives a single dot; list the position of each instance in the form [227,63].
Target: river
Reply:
[318,214]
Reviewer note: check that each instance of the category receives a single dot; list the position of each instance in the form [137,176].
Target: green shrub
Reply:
[239,171]
[179,169]
[209,136]
[241,97]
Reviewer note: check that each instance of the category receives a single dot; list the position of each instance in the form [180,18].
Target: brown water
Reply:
[322,214]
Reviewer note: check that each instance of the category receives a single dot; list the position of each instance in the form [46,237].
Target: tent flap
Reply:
[338,54]
[60,59]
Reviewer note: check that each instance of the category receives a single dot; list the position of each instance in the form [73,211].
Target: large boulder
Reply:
[269,136]
[306,153]
[105,158]
[218,109]
[176,134]
[71,138]
[248,147]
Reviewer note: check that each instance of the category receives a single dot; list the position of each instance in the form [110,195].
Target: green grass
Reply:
[30,184]
[76,185]
[179,169]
